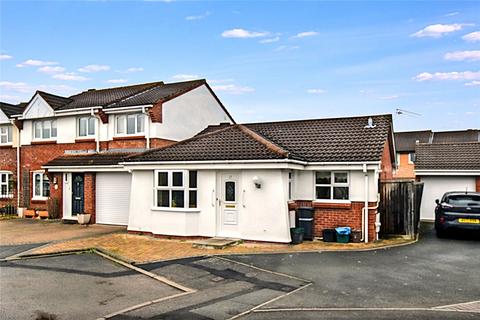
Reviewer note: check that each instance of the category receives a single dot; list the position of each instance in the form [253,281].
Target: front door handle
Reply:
[78,198]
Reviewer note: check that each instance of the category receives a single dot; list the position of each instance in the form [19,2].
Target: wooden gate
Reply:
[400,207]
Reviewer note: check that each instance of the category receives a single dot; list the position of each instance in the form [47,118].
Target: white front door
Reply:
[67,197]
[228,200]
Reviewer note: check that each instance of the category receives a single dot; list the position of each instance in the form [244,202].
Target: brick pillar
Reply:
[89,195]
[478,183]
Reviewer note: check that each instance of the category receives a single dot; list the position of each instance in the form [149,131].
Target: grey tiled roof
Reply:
[471,135]
[94,159]
[104,97]
[406,141]
[320,140]
[448,156]
[158,93]
[56,102]
[11,109]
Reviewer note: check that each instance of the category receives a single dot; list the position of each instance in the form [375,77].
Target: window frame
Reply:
[332,185]
[410,161]
[8,177]
[125,124]
[42,128]
[8,134]
[170,188]
[87,129]
[42,181]
[290,185]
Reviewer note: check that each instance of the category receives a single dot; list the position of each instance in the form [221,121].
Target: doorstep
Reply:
[216,243]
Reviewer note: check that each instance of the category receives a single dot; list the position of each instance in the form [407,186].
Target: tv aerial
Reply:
[403,112]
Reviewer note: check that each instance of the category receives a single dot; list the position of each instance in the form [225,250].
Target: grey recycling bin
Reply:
[305,221]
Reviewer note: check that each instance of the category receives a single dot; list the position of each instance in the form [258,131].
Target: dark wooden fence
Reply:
[400,207]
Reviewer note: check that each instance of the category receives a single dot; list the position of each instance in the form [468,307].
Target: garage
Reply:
[112,197]
[446,167]
[435,186]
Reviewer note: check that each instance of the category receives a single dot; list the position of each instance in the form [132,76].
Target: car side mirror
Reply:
[437,201]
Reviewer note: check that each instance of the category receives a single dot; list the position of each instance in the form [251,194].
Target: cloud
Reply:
[232,89]
[242,33]
[305,34]
[451,14]
[472,36]
[199,17]
[474,83]
[286,48]
[14,86]
[94,68]
[316,91]
[131,70]
[270,40]
[117,81]
[438,30]
[5,57]
[50,70]
[391,97]
[185,77]
[36,63]
[463,75]
[60,89]
[69,76]
[463,55]
[10,99]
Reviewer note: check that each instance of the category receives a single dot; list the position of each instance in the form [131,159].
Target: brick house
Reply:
[243,181]
[106,123]
[405,143]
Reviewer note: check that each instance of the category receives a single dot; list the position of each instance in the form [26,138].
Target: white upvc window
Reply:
[290,185]
[41,185]
[175,189]
[332,185]
[5,134]
[6,185]
[411,158]
[44,129]
[130,124]
[86,126]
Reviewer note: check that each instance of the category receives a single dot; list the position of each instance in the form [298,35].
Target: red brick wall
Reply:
[387,165]
[134,143]
[332,215]
[405,169]
[478,183]
[89,195]
[8,162]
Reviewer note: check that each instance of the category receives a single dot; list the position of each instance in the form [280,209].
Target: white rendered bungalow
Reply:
[242,181]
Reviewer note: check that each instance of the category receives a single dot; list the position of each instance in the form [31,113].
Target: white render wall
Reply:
[435,186]
[188,114]
[303,185]
[264,217]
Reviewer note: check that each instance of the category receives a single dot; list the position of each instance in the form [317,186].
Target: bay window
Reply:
[175,189]
[128,124]
[86,126]
[5,134]
[45,129]
[331,185]
[6,185]
[41,185]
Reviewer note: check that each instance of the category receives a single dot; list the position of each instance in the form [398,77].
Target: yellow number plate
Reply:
[476,221]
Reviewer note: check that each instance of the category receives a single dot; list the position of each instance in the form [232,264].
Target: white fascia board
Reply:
[343,166]
[69,112]
[111,168]
[447,172]
[124,109]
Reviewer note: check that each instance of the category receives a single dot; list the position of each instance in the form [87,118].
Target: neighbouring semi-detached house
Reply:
[114,121]
[405,143]
[243,180]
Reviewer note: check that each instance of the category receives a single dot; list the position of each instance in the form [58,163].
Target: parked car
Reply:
[457,210]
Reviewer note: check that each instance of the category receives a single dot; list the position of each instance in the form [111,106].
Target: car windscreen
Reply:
[463,200]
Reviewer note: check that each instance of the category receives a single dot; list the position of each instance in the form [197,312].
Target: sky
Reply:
[265,60]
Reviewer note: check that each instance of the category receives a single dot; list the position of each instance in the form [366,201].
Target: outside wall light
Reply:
[257,181]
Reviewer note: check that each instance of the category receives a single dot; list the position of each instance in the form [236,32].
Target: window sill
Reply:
[39,198]
[185,210]
[6,197]
[6,145]
[85,139]
[129,137]
[44,141]
[340,204]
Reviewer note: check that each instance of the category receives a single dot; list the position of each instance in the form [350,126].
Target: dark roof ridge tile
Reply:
[268,143]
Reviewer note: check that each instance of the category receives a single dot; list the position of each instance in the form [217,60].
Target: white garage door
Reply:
[435,186]
[113,198]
